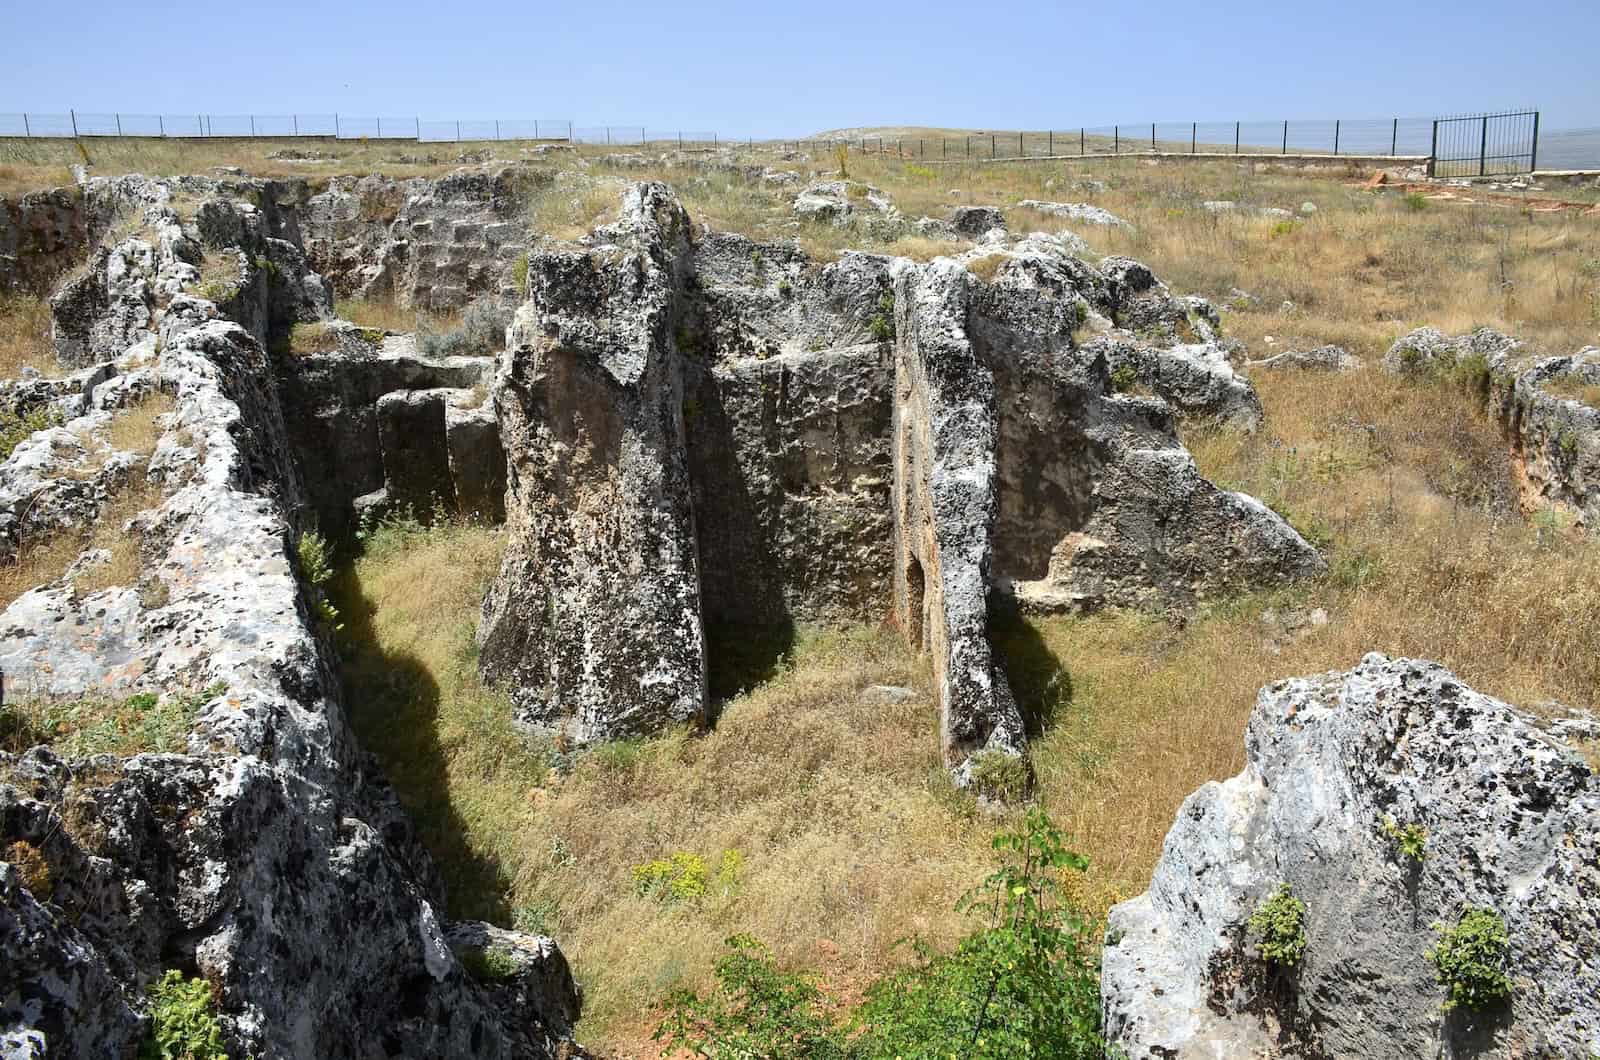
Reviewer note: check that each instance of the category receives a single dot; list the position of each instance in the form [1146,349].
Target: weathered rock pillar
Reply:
[594,620]
[945,505]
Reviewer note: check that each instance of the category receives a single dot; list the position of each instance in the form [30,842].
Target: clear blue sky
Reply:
[758,68]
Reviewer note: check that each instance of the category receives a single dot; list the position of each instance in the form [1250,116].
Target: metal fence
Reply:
[1462,145]
[1477,145]
[339,126]
[1394,137]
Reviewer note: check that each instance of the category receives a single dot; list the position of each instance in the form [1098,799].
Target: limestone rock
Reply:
[594,621]
[1512,820]
[843,202]
[945,504]
[974,221]
[1322,358]
[1427,350]
[1196,379]
[1077,211]
[1554,433]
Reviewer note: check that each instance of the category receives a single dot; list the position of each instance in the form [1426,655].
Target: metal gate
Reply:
[1478,145]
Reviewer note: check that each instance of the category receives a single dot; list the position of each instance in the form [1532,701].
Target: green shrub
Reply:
[756,1011]
[491,964]
[1411,839]
[1124,378]
[1027,983]
[16,429]
[1470,960]
[519,273]
[917,172]
[881,326]
[482,331]
[1278,927]
[314,561]
[1415,201]
[536,918]
[182,1023]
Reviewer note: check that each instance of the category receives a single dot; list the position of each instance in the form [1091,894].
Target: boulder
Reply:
[973,221]
[1426,350]
[1197,379]
[843,202]
[1083,212]
[1322,358]
[1337,766]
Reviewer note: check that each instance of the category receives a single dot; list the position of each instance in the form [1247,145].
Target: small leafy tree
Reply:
[1470,960]
[1278,925]
[182,1024]
[1026,985]
[757,1011]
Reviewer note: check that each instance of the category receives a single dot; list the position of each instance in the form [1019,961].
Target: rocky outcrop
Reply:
[1196,379]
[414,434]
[1082,212]
[434,244]
[227,254]
[945,506]
[1337,765]
[1322,358]
[845,202]
[594,621]
[265,855]
[1549,415]
[860,437]
[1426,350]
[974,221]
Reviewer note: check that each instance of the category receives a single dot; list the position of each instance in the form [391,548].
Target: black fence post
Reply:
[161,125]
[1483,146]
[1022,152]
[1336,136]
[1082,150]
[379,136]
[1286,137]
[1433,151]
[417,118]
[335,125]
[969,147]
[27,130]
[1194,132]
[295,118]
[1116,139]
[74,115]
[1051,149]
[994,149]
[1533,157]
[1235,137]
[119,125]
[1394,138]
[458,130]
[1152,137]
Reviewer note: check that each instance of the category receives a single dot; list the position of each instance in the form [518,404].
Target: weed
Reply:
[32,867]
[1410,839]
[490,964]
[538,917]
[1278,927]
[1124,378]
[999,775]
[16,429]
[314,562]
[841,155]
[519,273]
[881,326]
[1469,959]
[685,876]
[1415,201]
[183,1021]
[482,330]
[25,336]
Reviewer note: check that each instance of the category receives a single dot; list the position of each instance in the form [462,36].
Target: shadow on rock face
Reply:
[393,703]
[740,657]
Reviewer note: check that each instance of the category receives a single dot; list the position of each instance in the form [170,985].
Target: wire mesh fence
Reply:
[338,126]
[1391,137]
[1462,145]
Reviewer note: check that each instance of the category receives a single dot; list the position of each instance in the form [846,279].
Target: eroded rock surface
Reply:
[1512,820]
[856,437]
[1549,416]
[267,856]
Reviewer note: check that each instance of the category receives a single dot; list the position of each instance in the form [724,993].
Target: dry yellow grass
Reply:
[849,835]
[134,429]
[1568,387]
[25,336]
[388,315]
